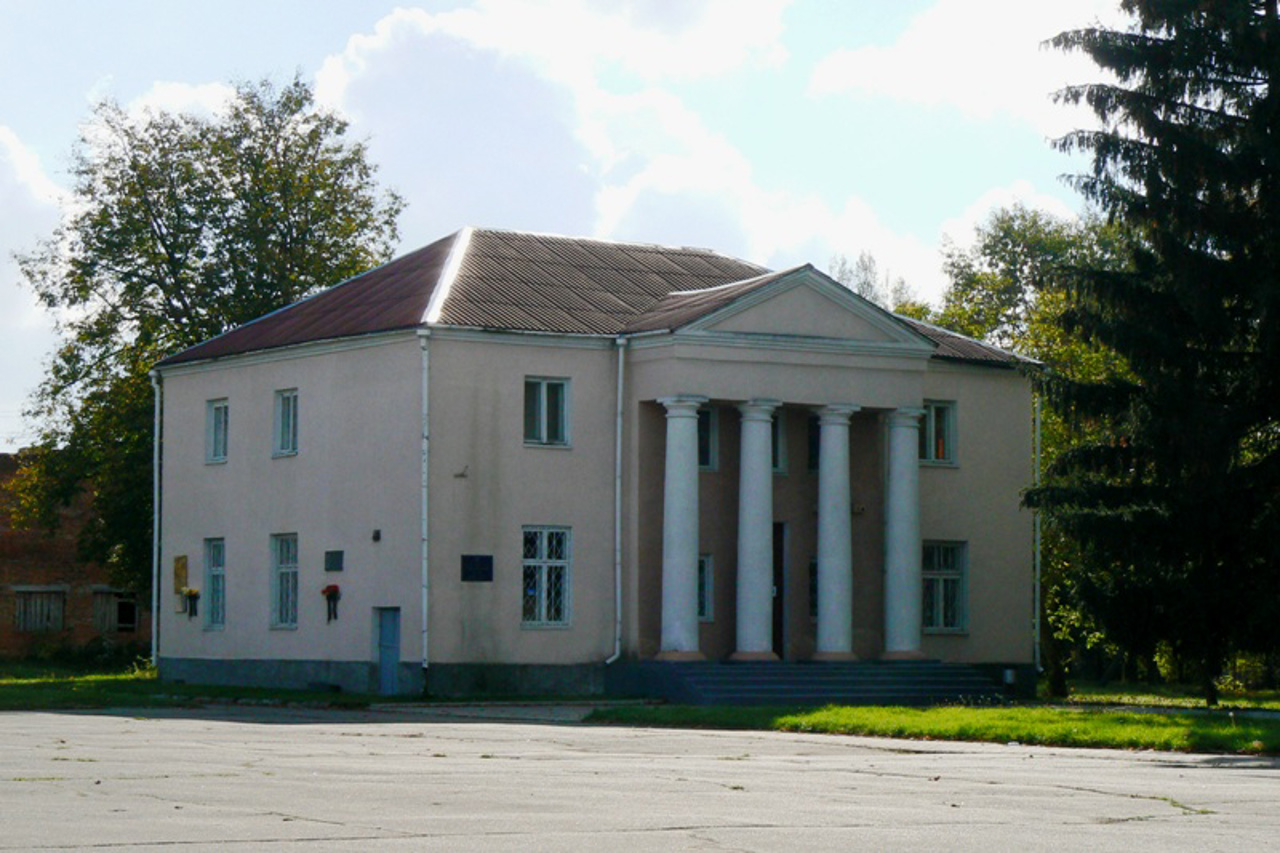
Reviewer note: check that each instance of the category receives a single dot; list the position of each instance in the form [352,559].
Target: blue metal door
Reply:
[388,650]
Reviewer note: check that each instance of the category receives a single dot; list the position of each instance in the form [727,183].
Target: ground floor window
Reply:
[115,612]
[215,582]
[284,580]
[943,567]
[706,588]
[547,556]
[40,610]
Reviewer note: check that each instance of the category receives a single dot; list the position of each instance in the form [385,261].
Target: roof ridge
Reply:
[614,242]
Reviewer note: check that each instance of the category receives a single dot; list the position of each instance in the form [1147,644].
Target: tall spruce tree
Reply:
[1179,509]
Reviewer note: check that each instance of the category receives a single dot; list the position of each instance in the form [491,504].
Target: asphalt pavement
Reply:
[230,778]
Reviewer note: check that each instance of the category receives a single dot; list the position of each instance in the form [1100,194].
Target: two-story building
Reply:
[510,458]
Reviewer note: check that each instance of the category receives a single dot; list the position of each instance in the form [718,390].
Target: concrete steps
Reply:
[927,682]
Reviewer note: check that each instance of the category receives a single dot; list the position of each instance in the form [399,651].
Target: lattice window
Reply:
[943,568]
[547,556]
[284,581]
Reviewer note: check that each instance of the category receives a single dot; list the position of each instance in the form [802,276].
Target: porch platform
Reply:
[914,682]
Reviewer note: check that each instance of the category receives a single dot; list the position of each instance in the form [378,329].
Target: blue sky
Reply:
[783,131]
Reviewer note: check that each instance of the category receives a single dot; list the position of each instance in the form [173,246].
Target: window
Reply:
[815,441]
[40,609]
[217,419]
[778,435]
[943,568]
[284,580]
[706,589]
[546,411]
[114,612]
[215,583]
[286,423]
[813,590]
[937,432]
[545,599]
[708,439]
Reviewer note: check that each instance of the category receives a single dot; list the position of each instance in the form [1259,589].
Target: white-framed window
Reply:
[708,439]
[546,411]
[938,432]
[943,566]
[284,580]
[40,609]
[285,422]
[706,588]
[778,441]
[547,556]
[215,582]
[217,422]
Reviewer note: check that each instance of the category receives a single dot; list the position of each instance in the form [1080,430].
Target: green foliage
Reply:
[181,227]
[1185,732]
[1176,498]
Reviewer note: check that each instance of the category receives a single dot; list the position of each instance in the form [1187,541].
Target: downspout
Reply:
[617,508]
[423,336]
[1036,553]
[157,390]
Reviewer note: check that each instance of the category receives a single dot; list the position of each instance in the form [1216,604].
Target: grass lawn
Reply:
[1219,732]
[1166,696]
[28,686]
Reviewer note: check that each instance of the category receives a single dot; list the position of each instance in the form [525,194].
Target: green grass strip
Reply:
[1175,732]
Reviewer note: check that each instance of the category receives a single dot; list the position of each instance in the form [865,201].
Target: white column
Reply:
[755,533]
[680,530]
[902,584]
[835,536]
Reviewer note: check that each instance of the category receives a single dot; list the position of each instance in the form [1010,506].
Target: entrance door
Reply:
[388,650]
[779,589]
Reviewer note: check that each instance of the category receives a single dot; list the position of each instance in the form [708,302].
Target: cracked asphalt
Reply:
[399,779]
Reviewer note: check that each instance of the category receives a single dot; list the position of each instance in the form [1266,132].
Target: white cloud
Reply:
[982,57]
[960,229]
[208,98]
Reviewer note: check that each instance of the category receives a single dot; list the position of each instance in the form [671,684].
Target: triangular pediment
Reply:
[808,304]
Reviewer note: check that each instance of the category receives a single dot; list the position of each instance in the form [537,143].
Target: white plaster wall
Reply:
[977,500]
[357,470]
[487,484]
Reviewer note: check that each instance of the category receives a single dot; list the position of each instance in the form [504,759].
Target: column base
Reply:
[680,657]
[836,656]
[753,656]
[912,654]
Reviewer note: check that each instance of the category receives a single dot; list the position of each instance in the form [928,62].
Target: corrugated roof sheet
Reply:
[518,281]
[954,346]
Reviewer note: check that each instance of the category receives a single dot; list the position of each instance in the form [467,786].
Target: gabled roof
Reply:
[519,281]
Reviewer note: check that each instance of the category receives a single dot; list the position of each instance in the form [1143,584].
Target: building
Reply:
[510,460]
[51,600]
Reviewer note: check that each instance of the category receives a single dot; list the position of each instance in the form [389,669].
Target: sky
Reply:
[780,131]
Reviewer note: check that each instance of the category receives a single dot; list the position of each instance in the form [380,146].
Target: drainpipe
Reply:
[423,336]
[1036,554]
[617,509]
[157,390]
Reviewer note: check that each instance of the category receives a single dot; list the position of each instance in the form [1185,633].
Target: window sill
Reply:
[548,445]
[544,626]
[939,463]
[283,454]
[945,632]
[284,627]
[222,461]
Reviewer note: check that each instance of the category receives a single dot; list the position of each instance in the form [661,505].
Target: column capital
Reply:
[683,405]
[907,417]
[758,410]
[836,414]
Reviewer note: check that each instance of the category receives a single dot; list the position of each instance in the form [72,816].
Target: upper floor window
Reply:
[546,411]
[217,421]
[937,432]
[943,569]
[708,439]
[286,423]
[814,438]
[778,442]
